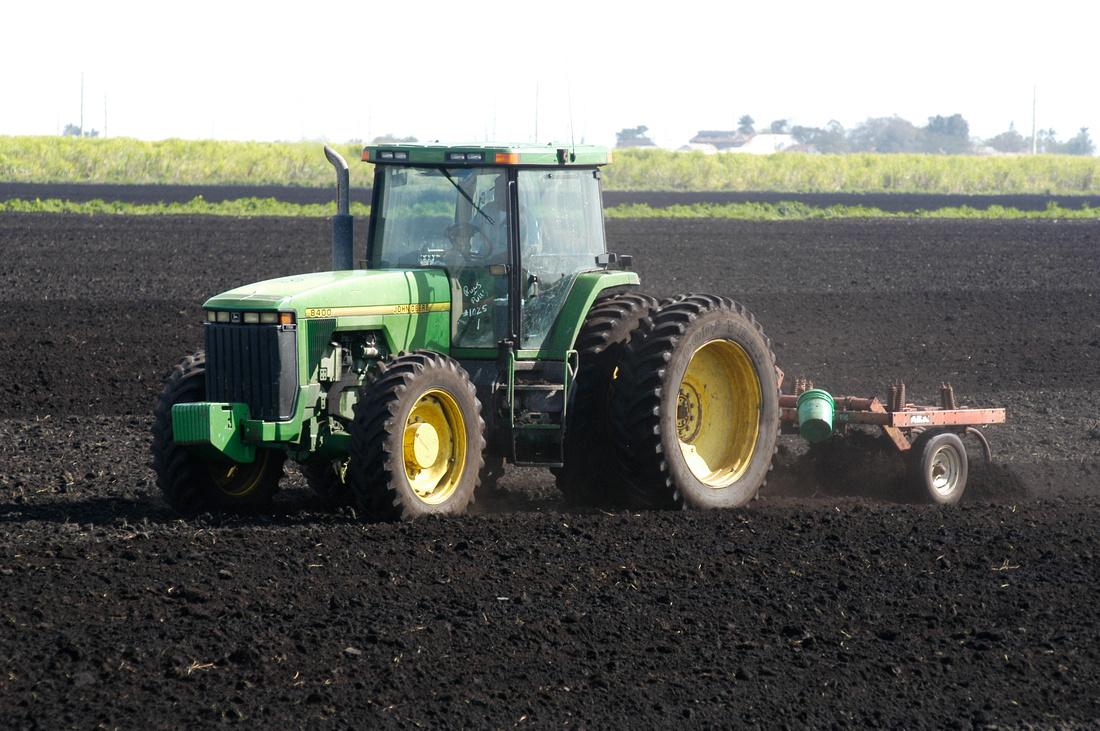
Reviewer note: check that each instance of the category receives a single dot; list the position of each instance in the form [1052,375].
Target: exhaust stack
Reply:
[343,256]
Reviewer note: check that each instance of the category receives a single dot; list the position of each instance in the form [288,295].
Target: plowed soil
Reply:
[828,602]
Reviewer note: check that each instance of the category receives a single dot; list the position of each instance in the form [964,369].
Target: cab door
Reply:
[480,272]
[561,232]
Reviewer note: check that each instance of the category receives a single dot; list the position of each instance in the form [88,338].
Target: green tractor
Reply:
[487,324]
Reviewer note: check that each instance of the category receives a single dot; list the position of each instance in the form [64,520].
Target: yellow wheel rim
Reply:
[238,480]
[433,447]
[718,413]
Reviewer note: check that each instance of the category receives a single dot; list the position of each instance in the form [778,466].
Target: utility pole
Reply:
[1034,129]
[536,112]
[81,103]
[104,115]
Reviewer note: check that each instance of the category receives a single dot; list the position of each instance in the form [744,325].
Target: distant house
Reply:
[719,139]
[766,144]
[732,141]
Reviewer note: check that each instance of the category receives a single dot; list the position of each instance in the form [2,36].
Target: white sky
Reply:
[469,70]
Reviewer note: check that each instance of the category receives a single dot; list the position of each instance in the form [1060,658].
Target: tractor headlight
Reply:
[250,318]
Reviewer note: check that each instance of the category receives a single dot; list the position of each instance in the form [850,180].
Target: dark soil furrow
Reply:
[824,603]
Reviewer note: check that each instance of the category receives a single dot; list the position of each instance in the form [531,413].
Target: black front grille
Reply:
[255,365]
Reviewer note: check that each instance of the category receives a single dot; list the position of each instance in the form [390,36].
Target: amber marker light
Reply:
[286,318]
[366,155]
[507,158]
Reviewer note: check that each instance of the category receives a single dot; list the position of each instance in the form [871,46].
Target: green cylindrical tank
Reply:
[815,415]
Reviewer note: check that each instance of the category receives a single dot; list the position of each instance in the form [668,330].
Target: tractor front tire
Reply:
[191,485]
[417,440]
[697,408]
[588,475]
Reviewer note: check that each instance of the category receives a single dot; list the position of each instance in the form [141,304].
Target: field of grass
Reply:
[857,173]
[182,162]
[173,162]
[789,211]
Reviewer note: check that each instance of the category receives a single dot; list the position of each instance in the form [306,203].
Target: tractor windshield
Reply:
[439,217]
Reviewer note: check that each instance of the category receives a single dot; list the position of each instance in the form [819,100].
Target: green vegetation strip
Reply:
[792,211]
[242,207]
[184,162]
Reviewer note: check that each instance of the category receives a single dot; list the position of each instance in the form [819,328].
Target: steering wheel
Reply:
[462,236]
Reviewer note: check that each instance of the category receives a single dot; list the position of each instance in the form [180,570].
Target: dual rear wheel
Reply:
[697,412]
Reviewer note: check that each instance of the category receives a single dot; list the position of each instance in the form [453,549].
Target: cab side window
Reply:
[561,233]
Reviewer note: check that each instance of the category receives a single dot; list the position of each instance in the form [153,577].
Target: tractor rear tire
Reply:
[696,414]
[588,475]
[328,480]
[191,485]
[417,440]
[938,468]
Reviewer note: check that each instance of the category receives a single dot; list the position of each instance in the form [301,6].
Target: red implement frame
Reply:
[898,418]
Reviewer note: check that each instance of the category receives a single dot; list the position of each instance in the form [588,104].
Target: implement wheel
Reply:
[417,440]
[697,411]
[191,485]
[328,480]
[938,468]
[589,474]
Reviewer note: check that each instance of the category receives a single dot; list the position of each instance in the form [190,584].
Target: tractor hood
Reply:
[361,288]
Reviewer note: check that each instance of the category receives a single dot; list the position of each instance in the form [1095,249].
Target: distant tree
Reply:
[946,135]
[1048,143]
[885,134]
[745,125]
[830,140]
[779,127]
[1010,141]
[72,130]
[633,137]
[392,139]
[1081,144]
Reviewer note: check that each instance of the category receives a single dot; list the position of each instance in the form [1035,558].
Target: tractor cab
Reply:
[513,227]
